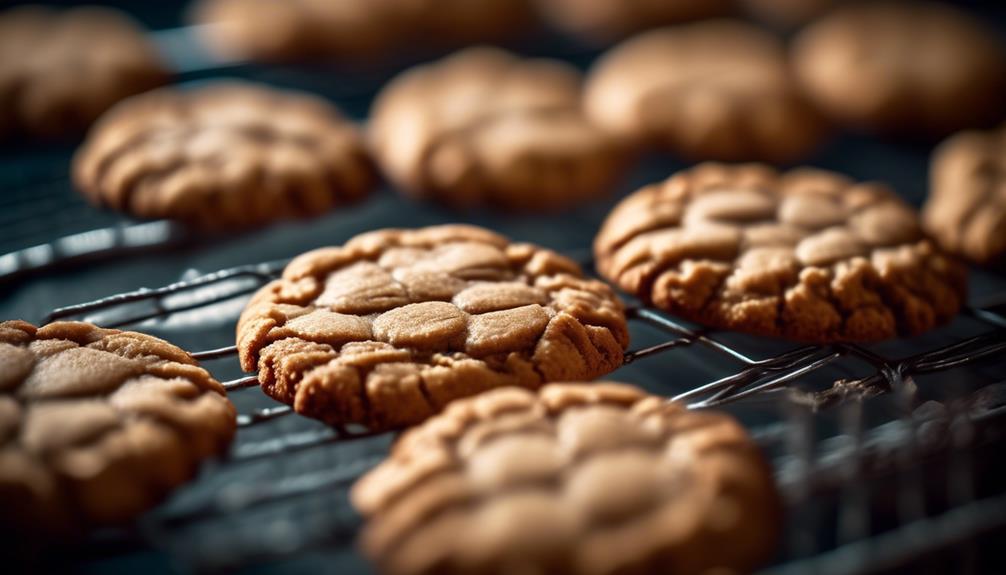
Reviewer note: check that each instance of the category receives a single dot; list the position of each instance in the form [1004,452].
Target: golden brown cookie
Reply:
[966,209]
[605,20]
[585,479]
[911,67]
[711,90]
[349,29]
[227,155]
[483,127]
[59,70]
[98,425]
[807,255]
[387,329]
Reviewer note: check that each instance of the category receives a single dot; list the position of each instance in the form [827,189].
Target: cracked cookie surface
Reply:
[966,209]
[226,155]
[59,70]
[716,90]
[584,479]
[387,329]
[917,67]
[98,425]
[807,255]
[485,128]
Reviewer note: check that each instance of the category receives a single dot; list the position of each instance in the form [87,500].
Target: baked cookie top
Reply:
[717,90]
[483,127]
[225,155]
[966,209]
[349,29]
[97,425]
[578,478]
[807,255]
[59,70]
[387,329]
[918,67]
[604,20]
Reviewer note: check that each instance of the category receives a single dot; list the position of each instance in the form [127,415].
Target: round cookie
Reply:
[226,155]
[966,209]
[389,328]
[483,127]
[98,425]
[266,30]
[59,70]
[601,21]
[807,255]
[909,67]
[585,479]
[711,90]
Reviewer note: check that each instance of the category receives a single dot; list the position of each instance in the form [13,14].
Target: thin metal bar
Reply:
[654,318]
[263,415]
[772,383]
[632,356]
[263,272]
[241,383]
[215,353]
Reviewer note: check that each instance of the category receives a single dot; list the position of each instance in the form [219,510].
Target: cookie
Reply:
[484,128]
[807,255]
[905,67]
[225,155]
[59,70]
[387,329]
[586,479]
[717,90]
[98,425]
[354,30]
[966,209]
[600,21]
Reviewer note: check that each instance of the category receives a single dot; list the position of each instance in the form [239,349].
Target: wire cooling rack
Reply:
[866,489]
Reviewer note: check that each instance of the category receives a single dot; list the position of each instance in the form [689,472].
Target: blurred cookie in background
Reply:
[59,70]
[719,89]
[486,128]
[787,14]
[97,426]
[917,68]
[577,479]
[601,21]
[225,155]
[807,255]
[966,209]
[350,30]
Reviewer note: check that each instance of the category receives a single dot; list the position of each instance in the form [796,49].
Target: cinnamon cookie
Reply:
[59,70]
[483,127]
[227,155]
[98,425]
[915,67]
[966,209]
[389,328]
[711,90]
[349,29]
[807,255]
[606,20]
[579,478]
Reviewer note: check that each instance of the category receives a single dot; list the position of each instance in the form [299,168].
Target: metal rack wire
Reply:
[809,468]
